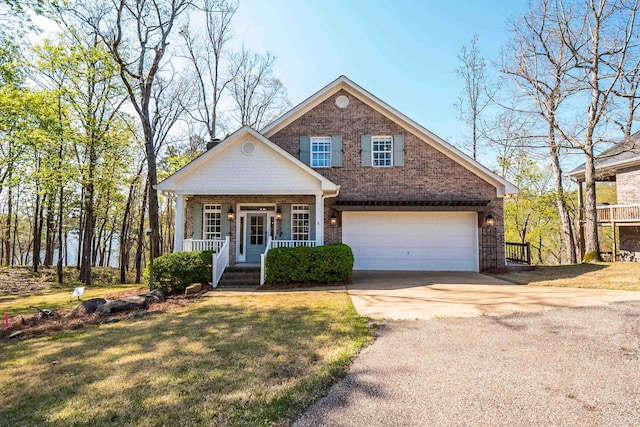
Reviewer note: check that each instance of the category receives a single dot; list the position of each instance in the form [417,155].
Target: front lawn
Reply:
[230,359]
[620,276]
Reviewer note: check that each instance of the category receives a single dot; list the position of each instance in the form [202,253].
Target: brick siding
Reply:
[427,174]
[628,185]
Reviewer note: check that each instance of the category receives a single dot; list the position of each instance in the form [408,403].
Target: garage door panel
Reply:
[412,240]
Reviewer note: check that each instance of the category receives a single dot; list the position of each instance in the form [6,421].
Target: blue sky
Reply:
[403,51]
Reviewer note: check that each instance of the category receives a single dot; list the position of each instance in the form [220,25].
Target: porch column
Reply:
[319,220]
[178,237]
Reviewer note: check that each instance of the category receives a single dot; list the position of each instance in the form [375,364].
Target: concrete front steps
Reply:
[240,275]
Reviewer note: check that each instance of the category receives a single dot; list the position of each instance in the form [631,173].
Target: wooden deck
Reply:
[619,215]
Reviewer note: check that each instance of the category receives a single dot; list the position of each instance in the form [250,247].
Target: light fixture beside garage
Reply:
[334,219]
[489,221]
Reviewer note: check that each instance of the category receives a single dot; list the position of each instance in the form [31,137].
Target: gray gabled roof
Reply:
[621,155]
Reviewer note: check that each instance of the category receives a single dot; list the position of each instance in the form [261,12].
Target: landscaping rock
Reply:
[193,289]
[88,306]
[156,295]
[141,314]
[16,334]
[124,304]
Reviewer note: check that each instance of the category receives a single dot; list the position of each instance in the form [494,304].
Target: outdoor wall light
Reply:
[334,219]
[489,221]
[231,214]
[279,214]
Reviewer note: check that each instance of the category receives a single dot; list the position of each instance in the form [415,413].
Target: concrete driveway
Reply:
[424,295]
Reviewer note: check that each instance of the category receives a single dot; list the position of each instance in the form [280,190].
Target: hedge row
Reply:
[322,264]
[174,272]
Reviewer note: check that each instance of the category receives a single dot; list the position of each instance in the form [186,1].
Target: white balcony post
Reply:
[319,220]
[179,225]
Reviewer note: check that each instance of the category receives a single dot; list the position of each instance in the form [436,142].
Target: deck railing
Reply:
[189,245]
[518,252]
[618,213]
[263,262]
[219,262]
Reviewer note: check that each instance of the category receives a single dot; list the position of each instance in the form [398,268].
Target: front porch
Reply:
[624,220]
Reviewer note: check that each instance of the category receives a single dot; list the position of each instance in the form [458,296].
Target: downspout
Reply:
[328,196]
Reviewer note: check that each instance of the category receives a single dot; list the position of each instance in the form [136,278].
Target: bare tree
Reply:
[539,64]
[474,96]
[138,35]
[205,51]
[600,35]
[257,96]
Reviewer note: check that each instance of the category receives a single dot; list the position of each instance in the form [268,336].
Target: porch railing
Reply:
[219,262]
[263,262]
[292,243]
[518,252]
[189,245]
[619,213]
[280,244]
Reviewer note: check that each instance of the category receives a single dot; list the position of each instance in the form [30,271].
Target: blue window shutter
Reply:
[225,224]
[365,143]
[305,150]
[398,150]
[336,150]
[284,233]
[197,221]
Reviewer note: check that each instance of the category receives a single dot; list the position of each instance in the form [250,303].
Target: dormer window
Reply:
[321,151]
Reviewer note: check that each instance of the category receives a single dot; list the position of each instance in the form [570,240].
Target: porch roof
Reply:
[246,162]
[621,155]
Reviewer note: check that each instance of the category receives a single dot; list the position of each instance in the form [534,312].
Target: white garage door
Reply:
[436,241]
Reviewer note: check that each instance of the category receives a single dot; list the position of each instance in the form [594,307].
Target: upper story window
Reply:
[211,217]
[321,151]
[382,151]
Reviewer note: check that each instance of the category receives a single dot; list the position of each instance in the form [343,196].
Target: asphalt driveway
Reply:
[564,367]
[425,295]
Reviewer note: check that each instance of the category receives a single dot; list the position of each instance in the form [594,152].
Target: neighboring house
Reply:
[619,164]
[343,166]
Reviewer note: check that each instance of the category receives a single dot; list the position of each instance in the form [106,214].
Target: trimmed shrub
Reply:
[322,264]
[174,272]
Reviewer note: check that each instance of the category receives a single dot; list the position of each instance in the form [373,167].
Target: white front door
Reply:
[436,241]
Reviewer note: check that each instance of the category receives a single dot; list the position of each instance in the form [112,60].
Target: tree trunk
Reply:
[50,239]
[7,232]
[567,228]
[60,233]
[141,235]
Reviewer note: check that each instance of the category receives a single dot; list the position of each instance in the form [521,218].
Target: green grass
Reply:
[55,299]
[231,359]
[618,276]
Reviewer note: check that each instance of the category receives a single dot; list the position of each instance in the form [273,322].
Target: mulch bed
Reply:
[34,325]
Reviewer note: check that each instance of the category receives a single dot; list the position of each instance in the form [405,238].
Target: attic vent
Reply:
[342,102]
[248,148]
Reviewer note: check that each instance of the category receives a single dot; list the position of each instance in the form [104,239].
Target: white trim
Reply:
[271,213]
[170,183]
[301,210]
[178,235]
[382,138]
[319,220]
[311,138]
[503,186]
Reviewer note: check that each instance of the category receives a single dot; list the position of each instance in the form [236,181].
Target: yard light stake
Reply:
[6,321]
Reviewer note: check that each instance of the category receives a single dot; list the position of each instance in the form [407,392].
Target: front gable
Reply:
[423,165]
[246,163]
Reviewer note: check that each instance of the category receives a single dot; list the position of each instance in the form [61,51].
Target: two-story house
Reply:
[343,166]
[619,164]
